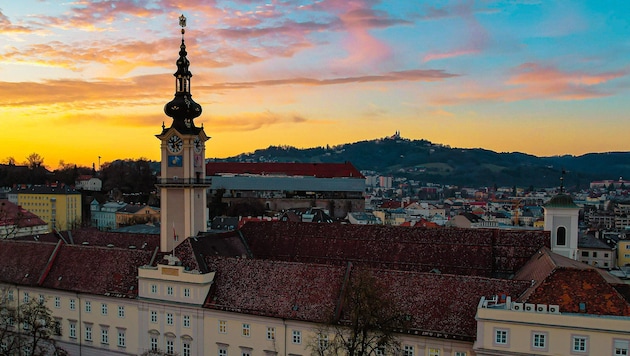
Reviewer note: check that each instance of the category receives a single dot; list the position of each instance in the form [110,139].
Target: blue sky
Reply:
[82,79]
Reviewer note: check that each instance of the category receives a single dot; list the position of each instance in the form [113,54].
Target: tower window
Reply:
[561,236]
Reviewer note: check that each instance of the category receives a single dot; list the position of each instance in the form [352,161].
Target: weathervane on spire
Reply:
[182,23]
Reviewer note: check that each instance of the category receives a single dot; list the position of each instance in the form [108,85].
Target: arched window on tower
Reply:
[561,236]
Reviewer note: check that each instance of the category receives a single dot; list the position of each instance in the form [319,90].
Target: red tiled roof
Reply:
[23,262]
[320,170]
[566,282]
[77,268]
[477,252]
[94,237]
[443,305]
[302,291]
[287,290]
[568,287]
[12,214]
[97,270]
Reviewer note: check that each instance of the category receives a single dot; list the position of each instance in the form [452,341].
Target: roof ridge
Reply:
[51,260]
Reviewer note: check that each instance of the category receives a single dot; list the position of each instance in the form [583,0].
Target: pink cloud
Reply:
[6,26]
[534,81]
[549,82]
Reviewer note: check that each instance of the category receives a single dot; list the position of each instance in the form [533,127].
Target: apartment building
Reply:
[58,205]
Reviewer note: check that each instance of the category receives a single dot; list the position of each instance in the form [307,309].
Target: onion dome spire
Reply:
[183,109]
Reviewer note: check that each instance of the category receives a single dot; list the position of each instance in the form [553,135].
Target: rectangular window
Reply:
[153,289]
[460,353]
[594,254]
[246,353]
[88,306]
[153,316]
[88,333]
[57,302]
[187,292]
[10,295]
[539,340]
[186,349]
[170,347]
[500,336]
[222,351]
[121,338]
[584,253]
[621,348]
[41,299]
[73,304]
[245,330]
[297,337]
[25,297]
[271,333]
[222,327]
[579,344]
[154,343]
[169,318]
[121,311]
[103,309]
[72,330]
[434,352]
[104,336]
[408,350]
[169,290]
[186,321]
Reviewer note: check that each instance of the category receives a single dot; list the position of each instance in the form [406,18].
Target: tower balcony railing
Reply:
[185,181]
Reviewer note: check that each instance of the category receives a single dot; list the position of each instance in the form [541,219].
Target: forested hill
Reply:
[428,162]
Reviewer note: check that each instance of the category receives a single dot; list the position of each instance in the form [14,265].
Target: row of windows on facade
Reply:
[296,335]
[170,290]
[579,343]
[72,303]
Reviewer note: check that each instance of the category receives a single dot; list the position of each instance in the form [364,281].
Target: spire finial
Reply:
[182,23]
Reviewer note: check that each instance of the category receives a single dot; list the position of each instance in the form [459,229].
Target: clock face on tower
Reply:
[197,144]
[174,144]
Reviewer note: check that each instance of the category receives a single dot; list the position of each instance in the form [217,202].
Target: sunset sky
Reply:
[83,79]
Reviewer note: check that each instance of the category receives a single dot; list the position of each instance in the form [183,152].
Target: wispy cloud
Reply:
[533,81]
[428,75]
[474,37]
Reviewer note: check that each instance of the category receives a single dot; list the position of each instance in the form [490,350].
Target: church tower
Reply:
[561,219]
[183,180]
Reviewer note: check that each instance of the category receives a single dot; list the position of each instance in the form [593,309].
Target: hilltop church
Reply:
[265,289]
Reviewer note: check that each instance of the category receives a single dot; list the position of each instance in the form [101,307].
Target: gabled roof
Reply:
[479,252]
[12,214]
[311,292]
[319,170]
[591,242]
[279,289]
[565,282]
[76,268]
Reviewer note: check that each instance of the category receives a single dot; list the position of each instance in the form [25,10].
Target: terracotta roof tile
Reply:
[274,288]
[23,262]
[568,287]
[97,270]
[478,252]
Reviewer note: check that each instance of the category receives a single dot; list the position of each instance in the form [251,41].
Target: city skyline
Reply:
[87,81]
